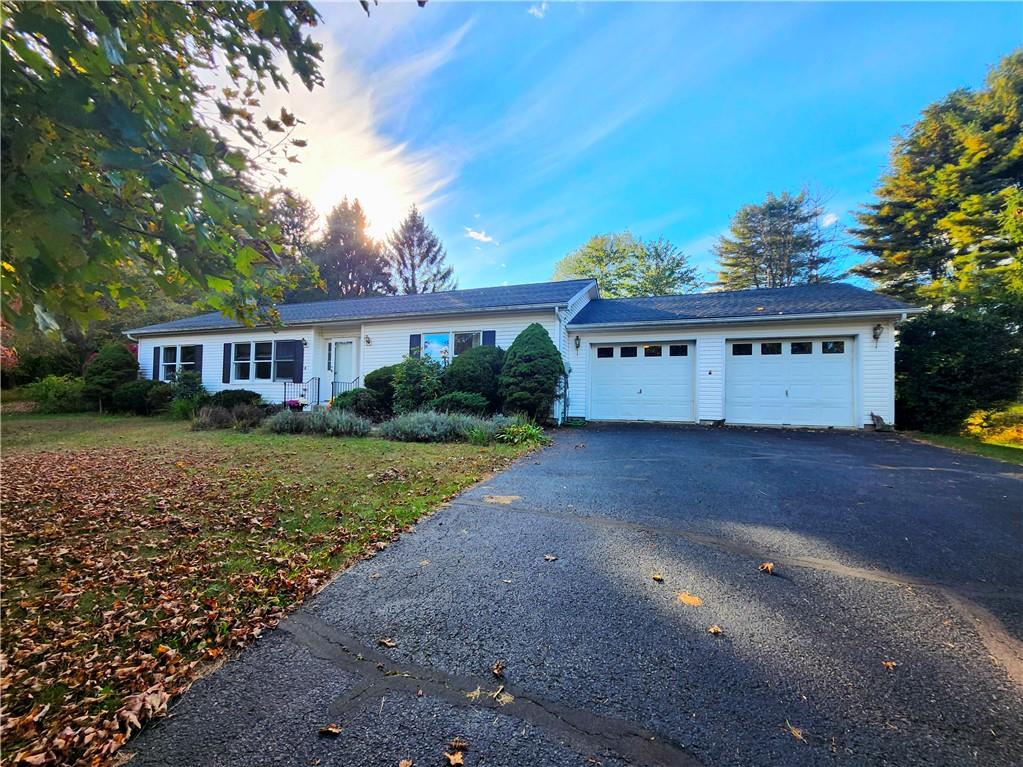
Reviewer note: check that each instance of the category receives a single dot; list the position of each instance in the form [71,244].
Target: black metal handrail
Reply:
[305,390]
[340,387]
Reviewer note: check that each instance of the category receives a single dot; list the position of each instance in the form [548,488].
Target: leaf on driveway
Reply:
[550,557]
[386,642]
[715,629]
[890,664]
[658,577]
[454,759]
[685,598]
[498,668]
[458,743]
[796,733]
[406,763]
[504,500]
[333,730]
[767,568]
[475,694]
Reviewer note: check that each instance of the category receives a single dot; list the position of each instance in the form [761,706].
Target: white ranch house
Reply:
[813,355]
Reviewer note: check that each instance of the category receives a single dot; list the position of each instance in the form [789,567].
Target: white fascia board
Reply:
[756,318]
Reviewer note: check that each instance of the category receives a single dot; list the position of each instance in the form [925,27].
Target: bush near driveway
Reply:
[460,402]
[140,551]
[381,382]
[337,423]
[429,426]
[949,364]
[362,402]
[533,374]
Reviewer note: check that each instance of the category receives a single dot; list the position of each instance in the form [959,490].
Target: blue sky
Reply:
[524,128]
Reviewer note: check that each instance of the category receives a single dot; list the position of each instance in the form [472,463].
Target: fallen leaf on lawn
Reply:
[474,694]
[405,763]
[889,664]
[550,557]
[658,577]
[333,730]
[795,732]
[162,649]
[458,743]
[386,642]
[685,598]
[767,568]
[454,759]
[715,629]
[498,668]
[504,500]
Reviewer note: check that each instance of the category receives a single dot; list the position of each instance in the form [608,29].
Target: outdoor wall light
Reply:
[368,341]
[578,342]
[878,330]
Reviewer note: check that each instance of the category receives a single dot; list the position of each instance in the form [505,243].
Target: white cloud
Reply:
[829,219]
[348,153]
[479,235]
[538,10]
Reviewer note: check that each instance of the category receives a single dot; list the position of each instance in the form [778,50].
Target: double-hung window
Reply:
[175,359]
[263,361]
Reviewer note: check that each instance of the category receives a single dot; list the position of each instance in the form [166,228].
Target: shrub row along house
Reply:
[812,355]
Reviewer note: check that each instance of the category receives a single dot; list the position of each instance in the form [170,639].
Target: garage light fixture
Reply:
[368,341]
[878,330]
[578,342]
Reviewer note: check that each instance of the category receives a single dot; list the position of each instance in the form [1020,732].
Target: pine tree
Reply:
[782,241]
[351,262]
[947,226]
[418,260]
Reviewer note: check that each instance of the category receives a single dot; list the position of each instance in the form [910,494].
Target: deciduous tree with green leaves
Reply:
[788,239]
[947,226]
[626,266]
[116,153]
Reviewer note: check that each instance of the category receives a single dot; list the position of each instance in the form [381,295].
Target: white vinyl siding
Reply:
[389,341]
[213,356]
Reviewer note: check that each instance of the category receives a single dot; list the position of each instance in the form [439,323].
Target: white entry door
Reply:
[343,362]
[790,381]
[636,381]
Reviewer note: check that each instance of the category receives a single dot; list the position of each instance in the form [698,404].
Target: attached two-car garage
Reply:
[773,381]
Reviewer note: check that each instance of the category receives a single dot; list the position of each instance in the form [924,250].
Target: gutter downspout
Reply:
[561,325]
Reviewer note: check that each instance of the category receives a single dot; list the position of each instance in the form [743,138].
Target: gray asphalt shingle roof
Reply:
[829,298]
[387,307]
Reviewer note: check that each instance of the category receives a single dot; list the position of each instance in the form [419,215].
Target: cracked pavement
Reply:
[884,549]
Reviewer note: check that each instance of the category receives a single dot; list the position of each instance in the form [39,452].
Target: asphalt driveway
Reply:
[884,550]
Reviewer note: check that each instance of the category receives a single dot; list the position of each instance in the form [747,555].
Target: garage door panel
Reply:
[771,382]
[641,388]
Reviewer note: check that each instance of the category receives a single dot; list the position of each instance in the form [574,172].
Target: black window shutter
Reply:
[156,363]
[299,360]
[227,363]
[415,341]
[490,338]
[198,360]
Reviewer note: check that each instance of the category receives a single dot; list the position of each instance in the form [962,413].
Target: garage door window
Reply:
[605,352]
[651,351]
[742,350]
[773,347]
[678,350]
[802,347]
[628,351]
[833,347]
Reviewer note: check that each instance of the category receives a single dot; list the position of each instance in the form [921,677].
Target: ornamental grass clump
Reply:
[430,426]
[337,423]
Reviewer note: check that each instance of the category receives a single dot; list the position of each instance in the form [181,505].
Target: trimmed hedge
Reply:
[477,370]
[460,402]
[133,397]
[228,398]
[361,402]
[533,374]
[381,382]
[429,426]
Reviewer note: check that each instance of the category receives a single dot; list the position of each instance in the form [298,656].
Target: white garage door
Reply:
[641,381]
[801,382]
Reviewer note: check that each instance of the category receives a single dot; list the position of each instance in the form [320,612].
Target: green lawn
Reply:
[137,552]
[972,445]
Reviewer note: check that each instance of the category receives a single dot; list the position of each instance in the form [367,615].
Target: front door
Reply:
[343,366]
